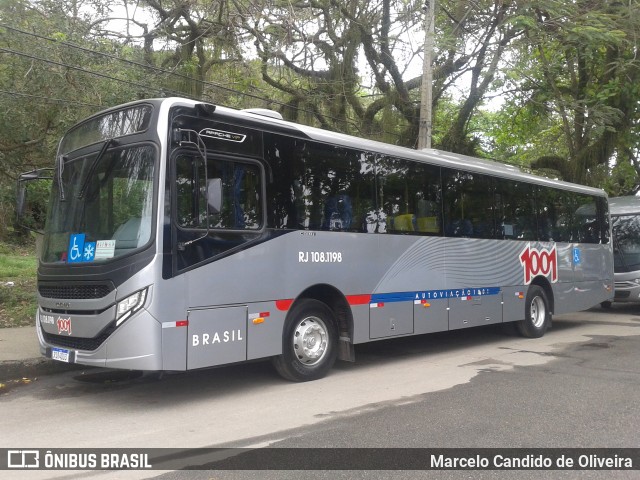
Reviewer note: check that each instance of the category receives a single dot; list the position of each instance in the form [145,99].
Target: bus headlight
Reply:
[129,305]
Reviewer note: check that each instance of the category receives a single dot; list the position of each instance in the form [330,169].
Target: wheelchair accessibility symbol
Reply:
[576,256]
[79,250]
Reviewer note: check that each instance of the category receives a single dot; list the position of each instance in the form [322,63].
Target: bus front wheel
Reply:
[309,342]
[537,315]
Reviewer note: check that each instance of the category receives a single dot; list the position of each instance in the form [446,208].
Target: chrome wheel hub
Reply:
[538,312]
[310,340]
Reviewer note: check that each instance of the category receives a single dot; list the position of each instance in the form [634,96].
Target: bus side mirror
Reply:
[214,195]
[22,199]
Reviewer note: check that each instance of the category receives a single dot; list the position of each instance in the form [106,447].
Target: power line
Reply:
[50,99]
[157,69]
[97,74]
[137,64]
[163,91]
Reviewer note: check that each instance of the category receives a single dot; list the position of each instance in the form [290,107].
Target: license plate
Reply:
[60,354]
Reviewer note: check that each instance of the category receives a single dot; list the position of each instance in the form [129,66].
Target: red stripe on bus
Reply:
[358,299]
[283,305]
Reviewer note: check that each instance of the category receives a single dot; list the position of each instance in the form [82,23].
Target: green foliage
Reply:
[623,180]
[17,284]
[36,205]
[17,261]
[572,81]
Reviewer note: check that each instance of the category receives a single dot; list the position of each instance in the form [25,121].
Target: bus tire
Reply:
[537,315]
[309,342]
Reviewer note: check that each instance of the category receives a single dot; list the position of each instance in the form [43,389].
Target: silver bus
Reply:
[625,221]
[182,235]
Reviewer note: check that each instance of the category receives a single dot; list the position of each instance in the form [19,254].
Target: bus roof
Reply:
[624,205]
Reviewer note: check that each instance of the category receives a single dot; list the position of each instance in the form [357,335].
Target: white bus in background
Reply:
[184,235]
[625,221]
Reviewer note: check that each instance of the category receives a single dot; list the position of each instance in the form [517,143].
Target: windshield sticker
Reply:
[105,249]
[76,248]
[79,250]
[222,135]
[89,251]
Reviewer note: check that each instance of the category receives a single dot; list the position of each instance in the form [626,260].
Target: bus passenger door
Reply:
[216,336]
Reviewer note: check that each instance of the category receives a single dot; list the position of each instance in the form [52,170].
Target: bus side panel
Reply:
[589,263]
[474,311]
[360,323]
[563,288]
[390,319]
[174,352]
[171,310]
[430,316]
[592,272]
[583,297]
[264,330]
[472,264]
[513,303]
[216,336]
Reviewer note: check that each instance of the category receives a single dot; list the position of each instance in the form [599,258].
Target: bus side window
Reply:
[587,226]
[338,213]
[427,215]
[469,203]
[408,196]
[515,210]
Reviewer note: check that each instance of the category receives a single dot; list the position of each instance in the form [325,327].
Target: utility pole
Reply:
[426,92]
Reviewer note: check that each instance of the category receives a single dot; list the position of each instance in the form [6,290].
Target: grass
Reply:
[17,285]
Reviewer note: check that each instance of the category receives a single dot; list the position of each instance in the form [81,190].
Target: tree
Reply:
[53,73]
[322,52]
[574,81]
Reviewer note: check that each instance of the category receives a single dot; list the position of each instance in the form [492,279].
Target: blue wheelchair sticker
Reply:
[577,259]
[79,250]
[76,248]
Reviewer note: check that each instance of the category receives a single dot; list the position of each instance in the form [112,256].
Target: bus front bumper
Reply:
[134,345]
[627,290]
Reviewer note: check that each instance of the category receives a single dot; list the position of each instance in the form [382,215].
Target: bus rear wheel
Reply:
[537,315]
[309,342]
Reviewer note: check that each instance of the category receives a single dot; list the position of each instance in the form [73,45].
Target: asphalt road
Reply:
[575,387]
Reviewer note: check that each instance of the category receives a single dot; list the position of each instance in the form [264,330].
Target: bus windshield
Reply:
[101,205]
[626,234]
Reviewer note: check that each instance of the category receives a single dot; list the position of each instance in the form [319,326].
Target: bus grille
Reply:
[78,343]
[75,292]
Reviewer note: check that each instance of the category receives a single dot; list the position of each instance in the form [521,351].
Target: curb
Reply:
[33,368]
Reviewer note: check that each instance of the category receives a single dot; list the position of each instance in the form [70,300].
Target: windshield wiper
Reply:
[60,170]
[94,164]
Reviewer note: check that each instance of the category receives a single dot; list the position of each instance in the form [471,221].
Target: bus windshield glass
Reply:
[101,205]
[115,124]
[626,234]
